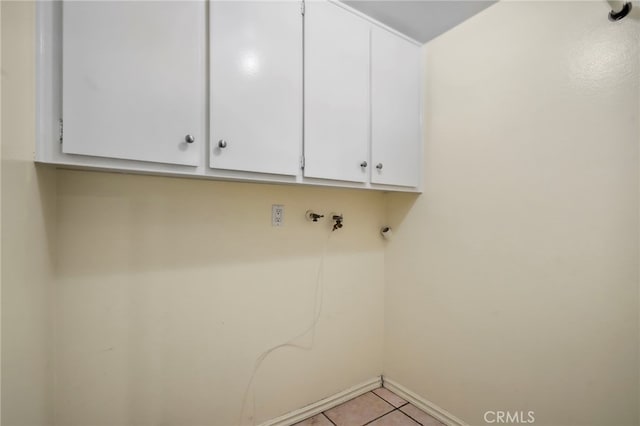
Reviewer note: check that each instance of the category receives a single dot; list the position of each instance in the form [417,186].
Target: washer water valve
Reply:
[338,221]
[313,216]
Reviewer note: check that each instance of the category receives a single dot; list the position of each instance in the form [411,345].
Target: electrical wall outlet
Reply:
[277,215]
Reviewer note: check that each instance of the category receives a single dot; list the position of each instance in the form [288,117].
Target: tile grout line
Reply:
[409,415]
[378,418]
[389,402]
[398,408]
[395,409]
[327,417]
[382,398]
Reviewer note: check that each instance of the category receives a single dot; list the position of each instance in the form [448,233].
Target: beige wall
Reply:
[168,291]
[512,282]
[28,230]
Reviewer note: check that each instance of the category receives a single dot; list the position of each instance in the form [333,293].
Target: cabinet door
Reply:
[134,80]
[256,86]
[395,110]
[336,125]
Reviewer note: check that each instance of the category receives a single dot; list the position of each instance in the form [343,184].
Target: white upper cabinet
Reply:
[395,110]
[336,144]
[239,90]
[256,86]
[134,80]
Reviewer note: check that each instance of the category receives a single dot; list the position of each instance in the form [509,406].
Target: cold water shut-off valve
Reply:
[337,218]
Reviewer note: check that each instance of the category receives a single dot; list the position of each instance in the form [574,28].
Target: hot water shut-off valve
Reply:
[313,216]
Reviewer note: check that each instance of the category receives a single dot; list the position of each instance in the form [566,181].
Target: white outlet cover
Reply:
[277,215]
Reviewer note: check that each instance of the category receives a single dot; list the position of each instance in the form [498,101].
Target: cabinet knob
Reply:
[379,166]
[222,143]
[363,164]
[189,139]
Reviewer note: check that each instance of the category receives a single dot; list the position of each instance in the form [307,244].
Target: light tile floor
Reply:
[380,407]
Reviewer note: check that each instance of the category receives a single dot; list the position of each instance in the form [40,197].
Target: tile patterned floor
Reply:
[380,407]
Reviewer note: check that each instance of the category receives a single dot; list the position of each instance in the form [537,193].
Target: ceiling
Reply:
[420,20]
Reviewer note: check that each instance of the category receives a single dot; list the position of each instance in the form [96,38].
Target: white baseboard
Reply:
[426,406]
[324,404]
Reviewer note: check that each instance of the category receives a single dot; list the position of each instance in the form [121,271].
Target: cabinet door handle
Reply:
[379,166]
[363,164]
[189,139]
[222,143]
